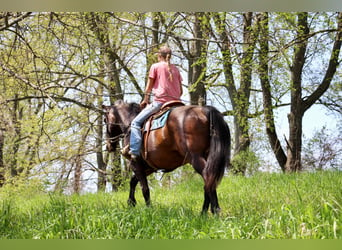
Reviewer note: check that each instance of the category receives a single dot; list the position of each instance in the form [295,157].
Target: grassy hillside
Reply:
[263,206]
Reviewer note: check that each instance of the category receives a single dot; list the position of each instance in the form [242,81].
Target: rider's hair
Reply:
[166,53]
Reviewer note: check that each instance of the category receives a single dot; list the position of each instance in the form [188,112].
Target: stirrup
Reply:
[125,152]
[134,157]
[128,154]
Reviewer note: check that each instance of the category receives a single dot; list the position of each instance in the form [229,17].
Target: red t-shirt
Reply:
[165,88]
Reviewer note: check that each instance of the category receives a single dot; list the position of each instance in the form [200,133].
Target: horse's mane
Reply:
[126,111]
[134,108]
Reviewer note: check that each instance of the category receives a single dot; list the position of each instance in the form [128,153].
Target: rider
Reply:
[164,84]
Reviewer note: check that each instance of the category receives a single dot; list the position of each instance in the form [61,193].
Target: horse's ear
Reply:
[119,103]
[105,108]
[134,108]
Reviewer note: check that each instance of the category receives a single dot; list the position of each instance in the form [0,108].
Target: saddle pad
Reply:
[160,121]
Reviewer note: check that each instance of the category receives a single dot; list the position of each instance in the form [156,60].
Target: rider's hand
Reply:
[143,104]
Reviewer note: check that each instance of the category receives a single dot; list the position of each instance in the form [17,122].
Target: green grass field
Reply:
[265,206]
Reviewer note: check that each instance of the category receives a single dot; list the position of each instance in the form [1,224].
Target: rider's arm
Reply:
[148,91]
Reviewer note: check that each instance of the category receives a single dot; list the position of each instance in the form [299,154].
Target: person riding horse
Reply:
[192,134]
[165,83]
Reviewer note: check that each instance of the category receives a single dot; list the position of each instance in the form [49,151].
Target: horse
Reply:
[192,134]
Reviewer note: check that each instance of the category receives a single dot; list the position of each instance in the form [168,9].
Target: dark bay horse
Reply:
[193,134]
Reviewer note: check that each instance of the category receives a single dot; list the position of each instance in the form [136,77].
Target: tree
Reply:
[238,88]
[43,71]
[323,151]
[57,69]
[266,92]
[196,54]
[299,104]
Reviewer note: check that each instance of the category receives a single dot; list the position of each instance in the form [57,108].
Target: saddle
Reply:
[158,120]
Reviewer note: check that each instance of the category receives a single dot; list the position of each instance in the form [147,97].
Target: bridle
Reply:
[123,134]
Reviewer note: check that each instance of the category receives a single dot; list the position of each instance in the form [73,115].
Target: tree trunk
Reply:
[101,164]
[151,56]
[117,173]
[295,117]
[99,26]
[198,62]
[239,96]
[17,115]
[77,174]
[78,162]
[294,146]
[196,55]
[2,165]
[110,58]
[266,92]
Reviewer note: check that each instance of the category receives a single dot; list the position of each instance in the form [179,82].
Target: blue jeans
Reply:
[136,135]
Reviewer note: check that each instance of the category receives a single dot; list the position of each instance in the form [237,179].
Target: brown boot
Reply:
[133,156]
[125,152]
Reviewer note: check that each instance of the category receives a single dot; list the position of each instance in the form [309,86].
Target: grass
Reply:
[265,206]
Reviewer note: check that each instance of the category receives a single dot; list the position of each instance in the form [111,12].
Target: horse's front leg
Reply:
[132,185]
[141,171]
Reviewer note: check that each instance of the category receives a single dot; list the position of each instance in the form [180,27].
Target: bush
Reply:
[247,161]
[323,151]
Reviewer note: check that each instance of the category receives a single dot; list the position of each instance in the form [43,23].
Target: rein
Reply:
[116,138]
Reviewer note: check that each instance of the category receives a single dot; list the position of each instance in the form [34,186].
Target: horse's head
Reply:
[113,129]
[118,118]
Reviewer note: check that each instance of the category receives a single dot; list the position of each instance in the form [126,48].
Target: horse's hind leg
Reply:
[210,193]
[206,203]
[215,208]
[210,198]
[198,163]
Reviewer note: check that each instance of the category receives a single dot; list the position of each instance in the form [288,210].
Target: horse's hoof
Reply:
[216,211]
[131,203]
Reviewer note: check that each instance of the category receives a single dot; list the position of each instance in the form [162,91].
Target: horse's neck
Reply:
[126,121]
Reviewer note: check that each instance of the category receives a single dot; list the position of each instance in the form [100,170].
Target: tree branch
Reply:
[333,64]
[58,98]
[8,24]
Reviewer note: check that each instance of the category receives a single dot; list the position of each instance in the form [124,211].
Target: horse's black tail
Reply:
[219,152]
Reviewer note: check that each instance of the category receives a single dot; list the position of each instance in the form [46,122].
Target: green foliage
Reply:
[265,206]
[57,69]
[246,160]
